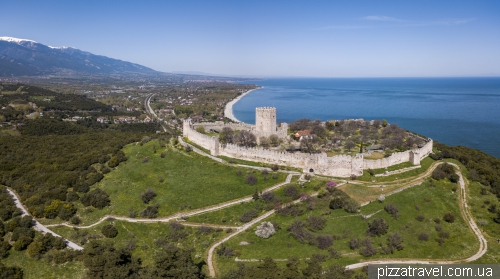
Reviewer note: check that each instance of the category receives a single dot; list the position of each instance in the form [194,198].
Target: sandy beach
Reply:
[228,111]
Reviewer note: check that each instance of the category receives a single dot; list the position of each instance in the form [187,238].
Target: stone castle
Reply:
[265,125]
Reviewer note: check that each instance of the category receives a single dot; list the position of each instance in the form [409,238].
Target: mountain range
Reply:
[22,57]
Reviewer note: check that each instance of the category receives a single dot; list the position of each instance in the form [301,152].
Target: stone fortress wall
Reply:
[265,119]
[339,166]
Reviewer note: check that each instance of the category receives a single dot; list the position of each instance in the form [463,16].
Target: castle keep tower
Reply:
[265,119]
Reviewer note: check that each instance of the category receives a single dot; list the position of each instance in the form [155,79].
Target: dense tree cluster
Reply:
[267,268]
[103,260]
[445,170]
[482,167]
[42,169]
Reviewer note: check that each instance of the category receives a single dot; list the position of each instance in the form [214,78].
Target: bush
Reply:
[251,179]
[420,218]
[292,191]
[298,231]
[72,196]
[248,216]
[352,206]
[97,198]
[324,241]
[265,230]
[316,223]
[449,217]
[269,197]
[354,243]
[337,202]
[22,243]
[148,196]
[393,210]
[395,241]
[150,211]
[423,237]
[377,227]
[109,231]
[75,220]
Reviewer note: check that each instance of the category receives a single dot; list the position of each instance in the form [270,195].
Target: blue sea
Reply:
[454,111]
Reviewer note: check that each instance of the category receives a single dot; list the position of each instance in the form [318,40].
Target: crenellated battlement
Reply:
[340,165]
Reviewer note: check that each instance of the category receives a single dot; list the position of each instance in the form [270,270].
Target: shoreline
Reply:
[228,111]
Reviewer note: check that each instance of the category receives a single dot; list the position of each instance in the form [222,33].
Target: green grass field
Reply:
[182,181]
[430,202]
[36,269]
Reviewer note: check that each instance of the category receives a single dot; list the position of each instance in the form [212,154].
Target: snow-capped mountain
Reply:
[19,57]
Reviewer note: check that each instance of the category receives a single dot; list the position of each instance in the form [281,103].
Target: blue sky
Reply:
[274,38]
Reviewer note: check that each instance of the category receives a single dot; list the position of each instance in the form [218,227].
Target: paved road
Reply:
[37,226]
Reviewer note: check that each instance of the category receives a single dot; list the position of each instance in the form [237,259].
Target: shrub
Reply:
[377,227]
[72,196]
[251,179]
[454,178]
[316,223]
[248,216]
[274,167]
[368,249]
[225,251]
[449,217]
[148,195]
[354,243]
[176,226]
[298,231]
[109,231]
[420,218]
[268,197]
[292,191]
[150,211]
[265,230]
[352,206]
[205,230]
[22,243]
[393,210]
[97,198]
[395,241]
[145,160]
[423,237]
[75,220]
[337,202]
[324,241]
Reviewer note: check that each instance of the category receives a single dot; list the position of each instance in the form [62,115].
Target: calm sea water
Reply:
[455,111]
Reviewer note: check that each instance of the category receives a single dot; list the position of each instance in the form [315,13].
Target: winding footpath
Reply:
[464,210]
[37,226]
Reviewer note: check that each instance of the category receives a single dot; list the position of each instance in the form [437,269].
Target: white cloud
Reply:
[382,18]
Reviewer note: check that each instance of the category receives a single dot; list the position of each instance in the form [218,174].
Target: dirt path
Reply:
[210,260]
[464,210]
[36,225]
[177,215]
